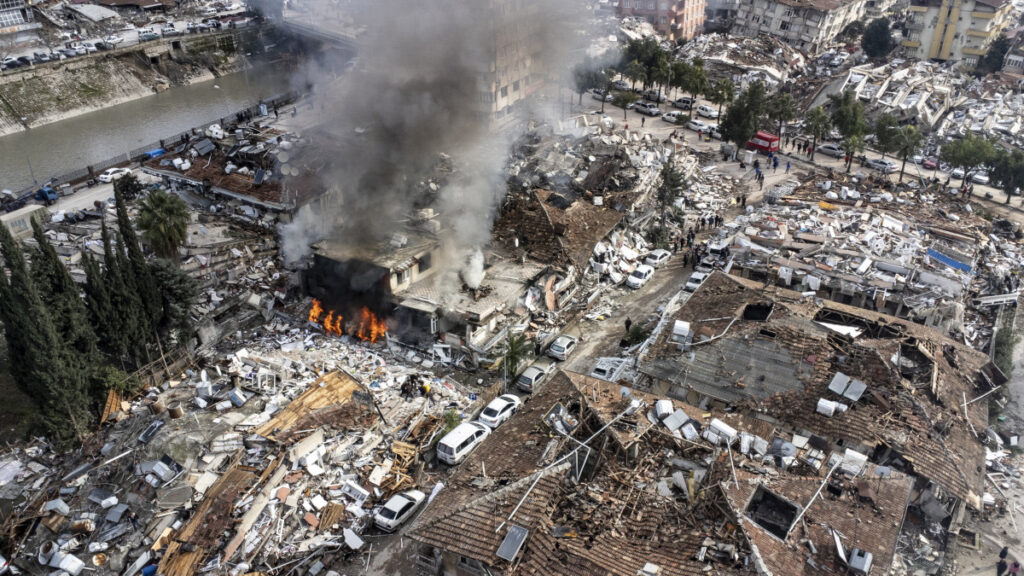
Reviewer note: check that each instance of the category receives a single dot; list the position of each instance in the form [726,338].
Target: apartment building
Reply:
[15,16]
[954,30]
[516,64]
[674,19]
[807,25]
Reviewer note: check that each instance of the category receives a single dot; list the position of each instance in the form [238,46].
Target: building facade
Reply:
[15,16]
[954,30]
[674,19]
[807,25]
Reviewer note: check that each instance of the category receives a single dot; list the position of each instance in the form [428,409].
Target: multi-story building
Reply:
[516,70]
[719,14]
[674,19]
[879,8]
[954,30]
[807,25]
[15,16]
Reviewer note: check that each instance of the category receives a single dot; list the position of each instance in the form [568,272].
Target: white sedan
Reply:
[398,509]
[499,410]
[707,111]
[657,257]
[640,276]
[697,125]
[111,174]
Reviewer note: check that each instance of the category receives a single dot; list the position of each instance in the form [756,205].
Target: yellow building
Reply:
[954,30]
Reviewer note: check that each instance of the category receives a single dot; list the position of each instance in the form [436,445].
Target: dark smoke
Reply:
[415,94]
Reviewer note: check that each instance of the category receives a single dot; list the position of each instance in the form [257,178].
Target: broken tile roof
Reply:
[868,513]
[917,379]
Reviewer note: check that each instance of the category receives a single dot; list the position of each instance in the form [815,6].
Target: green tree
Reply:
[583,79]
[992,61]
[968,154]
[1008,171]
[886,133]
[818,125]
[781,109]
[97,301]
[660,73]
[137,275]
[125,308]
[647,52]
[852,145]
[908,142]
[745,115]
[41,360]
[722,92]
[128,186]
[877,41]
[63,300]
[517,350]
[848,114]
[695,81]
[178,293]
[636,72]
[163,220]
[623,100]
[672,183]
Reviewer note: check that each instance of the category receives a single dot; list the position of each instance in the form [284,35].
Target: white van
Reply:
[458,443]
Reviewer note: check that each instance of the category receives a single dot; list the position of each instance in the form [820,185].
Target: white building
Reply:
[954,30]
[807,25]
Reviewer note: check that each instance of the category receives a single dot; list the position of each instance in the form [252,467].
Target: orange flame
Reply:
[371,328]
[368,327]
[316,311]
[332,324]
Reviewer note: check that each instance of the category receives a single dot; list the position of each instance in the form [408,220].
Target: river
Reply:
[67,145]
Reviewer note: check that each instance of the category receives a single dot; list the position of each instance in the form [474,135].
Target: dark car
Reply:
[69,52]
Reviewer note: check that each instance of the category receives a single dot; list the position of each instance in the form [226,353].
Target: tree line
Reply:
[70,344]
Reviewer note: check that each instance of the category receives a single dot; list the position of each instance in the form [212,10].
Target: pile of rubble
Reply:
[745,59]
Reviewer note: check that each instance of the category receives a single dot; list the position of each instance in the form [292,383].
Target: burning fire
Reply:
[368,327]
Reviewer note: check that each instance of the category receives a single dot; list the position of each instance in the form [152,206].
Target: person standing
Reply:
[1015,568]
[629,323]
[1001,567]
[643,121]
[1004,552]
[787,166]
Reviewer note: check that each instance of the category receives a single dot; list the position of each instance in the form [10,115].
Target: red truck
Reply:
[763,142]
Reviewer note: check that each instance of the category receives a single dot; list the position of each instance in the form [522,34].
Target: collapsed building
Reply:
[911,91]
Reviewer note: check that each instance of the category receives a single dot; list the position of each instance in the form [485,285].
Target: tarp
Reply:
[935,255]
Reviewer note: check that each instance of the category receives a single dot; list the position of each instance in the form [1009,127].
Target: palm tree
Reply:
[852,145]
[635,71]
[908,141]
[696,81]
[818,124]
[781,109]
[722,92]
[517,349]
[163,220]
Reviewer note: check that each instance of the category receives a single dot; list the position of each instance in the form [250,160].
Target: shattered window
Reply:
[771,512]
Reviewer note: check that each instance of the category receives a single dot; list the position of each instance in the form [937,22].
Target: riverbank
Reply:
[50,94]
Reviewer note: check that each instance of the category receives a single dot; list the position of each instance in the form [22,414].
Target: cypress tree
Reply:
[97,301]
[41,368]
[124,307]
[140,278]
[179,292]
[62,297]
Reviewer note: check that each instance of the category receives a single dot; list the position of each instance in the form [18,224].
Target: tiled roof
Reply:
[868,514]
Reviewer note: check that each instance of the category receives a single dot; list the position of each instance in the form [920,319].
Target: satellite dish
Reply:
[624,392]
[283,156]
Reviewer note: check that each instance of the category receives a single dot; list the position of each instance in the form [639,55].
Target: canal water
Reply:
[54,149]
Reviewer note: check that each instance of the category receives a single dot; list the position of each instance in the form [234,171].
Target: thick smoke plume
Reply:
[413,104]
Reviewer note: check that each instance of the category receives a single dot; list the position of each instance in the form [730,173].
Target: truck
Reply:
[764,142]
[47,195]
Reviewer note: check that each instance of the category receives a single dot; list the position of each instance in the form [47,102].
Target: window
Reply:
[424,262]
[650,4]
[784,25]
[515,86]
[504,91]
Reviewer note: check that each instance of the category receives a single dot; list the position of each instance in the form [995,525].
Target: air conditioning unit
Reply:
[649,569]
[860,561]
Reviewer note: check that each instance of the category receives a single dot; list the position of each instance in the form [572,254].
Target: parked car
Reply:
[647,108]
[620,85]
[562,347]
[534,376]
[41,57]
[69,52]
[398,509]
[640,276]
[979,178]
[147,36]
[696,279]
[833,150]
[707,111]
[883,166]
[916,159]
[657,257]
[957,173]
[111,174]
[500,409]
[696,125]
[674,117]
[930,164]
[714,132]
[89,47]
[599,95]
[113,39]
[170,30]
[685,102]
[654,95]
[458,443]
